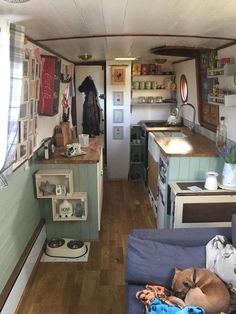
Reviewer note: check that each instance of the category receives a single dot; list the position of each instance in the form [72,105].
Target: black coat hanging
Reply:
[91,108]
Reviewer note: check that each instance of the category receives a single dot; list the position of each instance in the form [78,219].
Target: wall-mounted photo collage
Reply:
[28,107]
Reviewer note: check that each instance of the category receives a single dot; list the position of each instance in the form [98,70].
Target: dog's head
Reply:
[183,281]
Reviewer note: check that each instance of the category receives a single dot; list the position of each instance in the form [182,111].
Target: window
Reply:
[183,88]
[5,86]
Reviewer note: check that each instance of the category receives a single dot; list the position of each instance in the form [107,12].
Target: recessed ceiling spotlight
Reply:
[85,57]
[16,1]
[126,58]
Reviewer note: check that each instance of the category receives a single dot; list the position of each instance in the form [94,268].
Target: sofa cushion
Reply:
[151,262]
[183,236]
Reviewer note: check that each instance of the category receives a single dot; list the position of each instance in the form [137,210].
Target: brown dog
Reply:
[200,287]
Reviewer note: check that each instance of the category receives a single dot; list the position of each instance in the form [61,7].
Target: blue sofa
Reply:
[153,254]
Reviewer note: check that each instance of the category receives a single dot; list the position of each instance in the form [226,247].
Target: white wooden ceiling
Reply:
[51,19]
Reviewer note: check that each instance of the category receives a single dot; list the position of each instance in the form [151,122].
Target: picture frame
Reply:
[118,98]
[32,68]
[118,115]
[24,130]
[24,110]
[31,108]
[118,132]
[118,75]
[35,107]
[26,68]
[37,70]
[30,150]
[32,89]
[34,136]
[37,89]
[31,127]
[21,152]
[25,90]
[27,53]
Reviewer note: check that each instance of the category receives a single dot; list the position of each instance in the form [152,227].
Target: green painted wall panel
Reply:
[19,217]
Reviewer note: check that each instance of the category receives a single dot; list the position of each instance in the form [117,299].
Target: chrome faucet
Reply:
[194,114]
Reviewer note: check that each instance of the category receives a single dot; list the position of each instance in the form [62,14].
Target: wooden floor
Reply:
[95,287]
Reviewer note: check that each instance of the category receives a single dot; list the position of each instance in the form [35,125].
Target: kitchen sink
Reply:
[169,134]
[155,124]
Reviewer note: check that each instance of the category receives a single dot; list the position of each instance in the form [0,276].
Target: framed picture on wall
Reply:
[118,132]
[30,146]
[118,115]
[24,110]
[37,88]
[24,130]
[32,68]
[118,75]
[21,151]
[31,126]
[25,90]
[25,68]
[31,108]
[118,98]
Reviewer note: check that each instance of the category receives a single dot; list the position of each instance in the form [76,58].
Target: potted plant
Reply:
[228,153]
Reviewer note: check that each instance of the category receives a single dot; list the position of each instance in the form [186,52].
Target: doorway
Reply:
[98,74]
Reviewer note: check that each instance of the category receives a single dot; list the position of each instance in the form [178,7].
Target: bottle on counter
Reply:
[221,133]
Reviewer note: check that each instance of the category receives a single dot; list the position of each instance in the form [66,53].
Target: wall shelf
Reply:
[227,70]
[54,183]
[226,100]
[79,202]
[153,104]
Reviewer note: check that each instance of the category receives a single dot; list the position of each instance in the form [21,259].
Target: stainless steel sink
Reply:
[169,134]
[156,124]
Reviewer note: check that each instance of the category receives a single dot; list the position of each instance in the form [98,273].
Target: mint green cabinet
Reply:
[184,168]
[86,178]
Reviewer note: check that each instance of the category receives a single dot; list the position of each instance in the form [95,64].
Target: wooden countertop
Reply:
[92,154]
[191,145]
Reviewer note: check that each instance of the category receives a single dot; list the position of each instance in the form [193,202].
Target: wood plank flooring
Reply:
[95,287]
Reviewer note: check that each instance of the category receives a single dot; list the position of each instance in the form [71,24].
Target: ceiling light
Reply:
[85,57]
[160,61]
[125,58]
[16,1]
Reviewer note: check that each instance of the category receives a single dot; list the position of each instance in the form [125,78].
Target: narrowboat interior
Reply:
[117,151]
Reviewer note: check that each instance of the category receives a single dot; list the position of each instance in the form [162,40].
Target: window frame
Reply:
[183,88]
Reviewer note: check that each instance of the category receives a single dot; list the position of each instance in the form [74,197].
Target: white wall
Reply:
[229,112]
[118,150]
[188,68]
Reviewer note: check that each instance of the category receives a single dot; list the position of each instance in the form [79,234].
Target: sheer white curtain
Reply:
[5,86]
[11,58]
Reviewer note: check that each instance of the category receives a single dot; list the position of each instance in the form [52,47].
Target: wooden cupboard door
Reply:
[210,114]
[152,175]
[206,112]
[214,115]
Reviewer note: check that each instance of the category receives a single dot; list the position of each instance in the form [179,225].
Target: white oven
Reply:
[200,207]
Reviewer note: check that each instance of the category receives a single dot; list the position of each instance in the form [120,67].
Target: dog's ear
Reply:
[177,270]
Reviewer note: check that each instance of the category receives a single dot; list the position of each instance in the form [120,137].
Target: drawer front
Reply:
[204,211]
